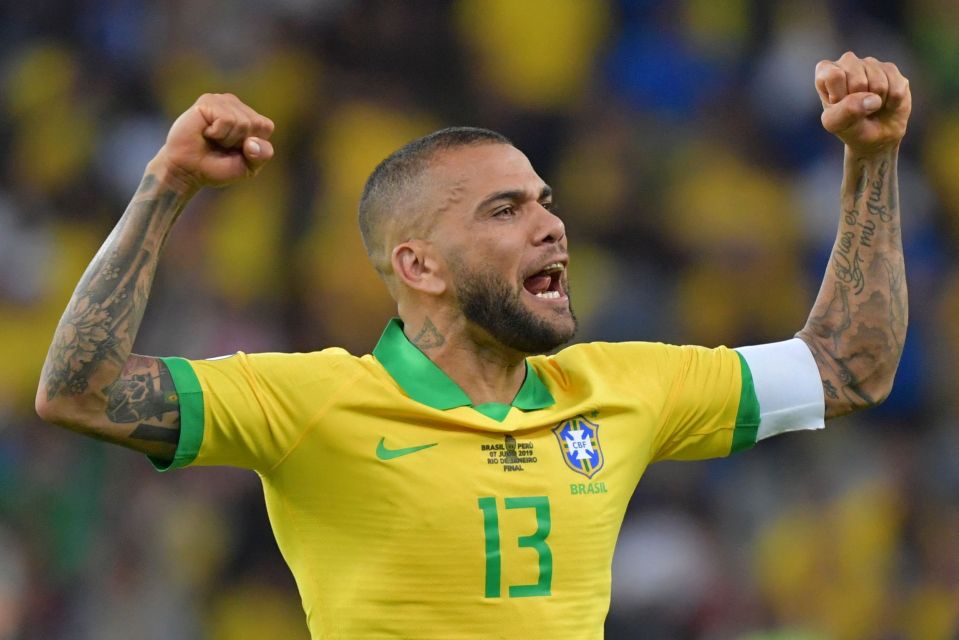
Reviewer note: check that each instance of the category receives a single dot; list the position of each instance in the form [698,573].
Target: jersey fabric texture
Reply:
[405,512]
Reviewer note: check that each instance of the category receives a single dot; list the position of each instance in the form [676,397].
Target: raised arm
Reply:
[858,323]
[91,383]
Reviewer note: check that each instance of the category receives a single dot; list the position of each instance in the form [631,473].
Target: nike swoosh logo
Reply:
[388,454]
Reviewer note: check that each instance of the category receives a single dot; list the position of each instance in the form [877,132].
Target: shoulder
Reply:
[607,359]
[326,364]
[332,355]
[627,359]
[283,358]
[627,354]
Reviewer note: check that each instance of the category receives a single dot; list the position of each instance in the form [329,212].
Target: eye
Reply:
[505,212]
[548,205]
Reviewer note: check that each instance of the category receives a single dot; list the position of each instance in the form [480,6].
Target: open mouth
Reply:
[547,283]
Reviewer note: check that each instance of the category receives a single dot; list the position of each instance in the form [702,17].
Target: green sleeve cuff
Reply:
[747,417]
[191,414]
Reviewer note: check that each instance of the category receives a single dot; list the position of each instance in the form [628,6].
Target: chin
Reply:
[517,320]
[543,332]
[562,322]
[564,333]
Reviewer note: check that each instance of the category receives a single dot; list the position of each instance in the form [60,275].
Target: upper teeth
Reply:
[550,268]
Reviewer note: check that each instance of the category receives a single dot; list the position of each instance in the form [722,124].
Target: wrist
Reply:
[167,177]
[860,155]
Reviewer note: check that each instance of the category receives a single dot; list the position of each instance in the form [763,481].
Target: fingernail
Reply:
[871,103]
[255,147]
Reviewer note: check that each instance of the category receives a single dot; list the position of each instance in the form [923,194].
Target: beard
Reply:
[492,304]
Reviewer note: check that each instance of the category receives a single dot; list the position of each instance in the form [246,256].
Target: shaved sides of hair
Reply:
[394,179]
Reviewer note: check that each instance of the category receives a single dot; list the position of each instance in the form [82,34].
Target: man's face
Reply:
[505,250]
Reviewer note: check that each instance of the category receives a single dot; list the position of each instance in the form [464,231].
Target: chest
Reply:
[398,505]
[439,477]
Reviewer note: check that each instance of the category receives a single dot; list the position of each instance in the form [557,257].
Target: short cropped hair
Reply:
[395,178]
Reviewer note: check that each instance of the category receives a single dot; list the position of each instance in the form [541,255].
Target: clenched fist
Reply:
[216,141]
[866,103]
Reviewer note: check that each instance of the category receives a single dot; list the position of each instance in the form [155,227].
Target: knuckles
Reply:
[824,65]
[892,70]
[221,118]
[899,93]
[864,74]
[206,97]
[857,83]
[231,113]
[827,69]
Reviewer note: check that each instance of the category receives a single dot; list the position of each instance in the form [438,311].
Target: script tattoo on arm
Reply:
[89,369]
[857,326]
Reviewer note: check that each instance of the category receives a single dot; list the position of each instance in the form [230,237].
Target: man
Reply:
[455,483]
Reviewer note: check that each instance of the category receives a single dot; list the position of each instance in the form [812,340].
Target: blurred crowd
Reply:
[700,195]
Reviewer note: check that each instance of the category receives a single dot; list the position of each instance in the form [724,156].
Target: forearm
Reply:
[858,323]
[95,336]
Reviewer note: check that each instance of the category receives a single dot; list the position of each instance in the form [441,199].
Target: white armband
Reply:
[788,387]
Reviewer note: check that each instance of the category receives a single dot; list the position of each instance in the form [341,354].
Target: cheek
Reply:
[499,265]
[486,250]
[497,252]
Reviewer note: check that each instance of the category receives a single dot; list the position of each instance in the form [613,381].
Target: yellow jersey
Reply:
[404,511]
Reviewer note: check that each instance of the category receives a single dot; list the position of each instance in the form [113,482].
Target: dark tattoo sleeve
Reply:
[858,323]
[145,394]
[104,314]
[144,391]
[89,362]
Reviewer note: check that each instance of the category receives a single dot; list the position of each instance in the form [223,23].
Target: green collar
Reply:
[426,383]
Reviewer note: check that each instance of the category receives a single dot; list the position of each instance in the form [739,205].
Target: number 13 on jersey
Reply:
[535,541]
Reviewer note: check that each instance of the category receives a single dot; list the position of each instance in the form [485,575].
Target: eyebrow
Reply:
[514,195]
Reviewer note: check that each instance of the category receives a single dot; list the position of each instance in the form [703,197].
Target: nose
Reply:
[550,229]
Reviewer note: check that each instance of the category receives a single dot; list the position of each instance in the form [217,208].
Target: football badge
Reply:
[579,441]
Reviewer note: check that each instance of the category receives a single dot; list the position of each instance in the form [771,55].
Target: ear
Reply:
[416,267]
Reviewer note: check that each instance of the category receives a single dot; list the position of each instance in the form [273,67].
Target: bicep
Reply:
[143,409]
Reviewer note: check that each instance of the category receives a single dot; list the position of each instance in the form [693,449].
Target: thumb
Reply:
[257,152]
[845,113]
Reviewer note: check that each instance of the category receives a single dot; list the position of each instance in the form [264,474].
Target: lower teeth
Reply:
[548,294]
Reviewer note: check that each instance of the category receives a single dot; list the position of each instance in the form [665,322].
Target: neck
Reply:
[484,369]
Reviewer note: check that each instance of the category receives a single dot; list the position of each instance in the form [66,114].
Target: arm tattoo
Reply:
[833,324]
[858,324]
[90,354]
[152,433]
[836,319]
[861,183]
[428,337]
[830,389]
[96,332]
[899,309]
[144,391]
[145,394]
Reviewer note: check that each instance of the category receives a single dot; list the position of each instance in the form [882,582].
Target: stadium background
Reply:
[700,195]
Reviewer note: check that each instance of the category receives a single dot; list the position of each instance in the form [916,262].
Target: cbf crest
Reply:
[579,441]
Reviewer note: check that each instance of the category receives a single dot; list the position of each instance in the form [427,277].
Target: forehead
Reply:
[470,174]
